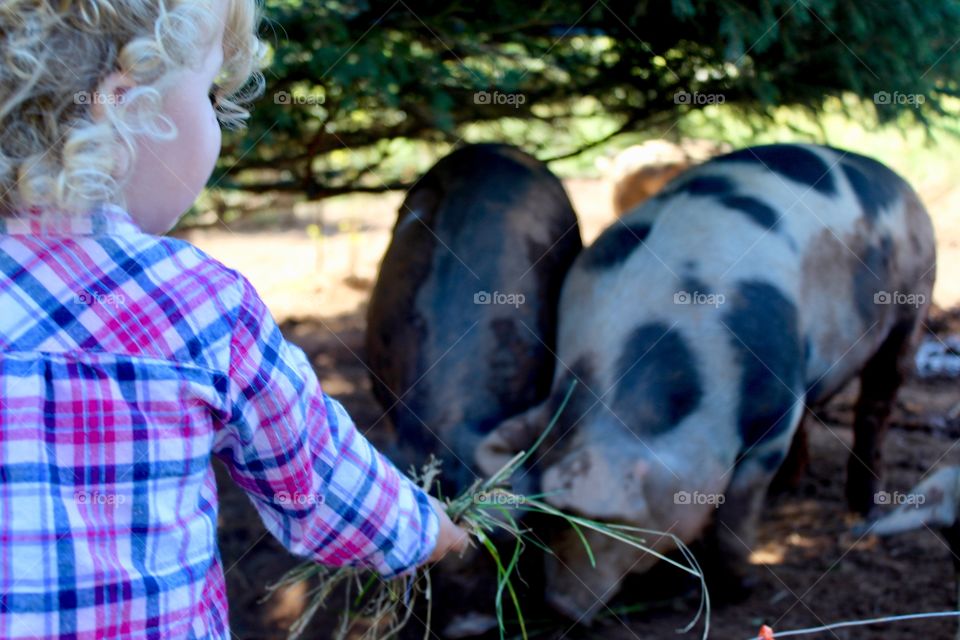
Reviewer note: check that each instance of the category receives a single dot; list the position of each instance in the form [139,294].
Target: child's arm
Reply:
[319,485]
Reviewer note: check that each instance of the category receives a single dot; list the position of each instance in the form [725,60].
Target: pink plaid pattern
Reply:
[125,361]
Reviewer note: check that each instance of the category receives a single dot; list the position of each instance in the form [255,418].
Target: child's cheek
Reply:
[216,137]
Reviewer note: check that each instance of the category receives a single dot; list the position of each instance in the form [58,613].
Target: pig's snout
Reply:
[595,484]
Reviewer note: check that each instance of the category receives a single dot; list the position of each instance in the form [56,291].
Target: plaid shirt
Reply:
[125,361]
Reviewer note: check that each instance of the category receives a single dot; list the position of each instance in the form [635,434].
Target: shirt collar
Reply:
[104,219]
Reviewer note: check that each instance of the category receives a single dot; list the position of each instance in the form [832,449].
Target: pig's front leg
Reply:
[732,538]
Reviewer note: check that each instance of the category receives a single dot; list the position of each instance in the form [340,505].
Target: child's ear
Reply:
[111,91]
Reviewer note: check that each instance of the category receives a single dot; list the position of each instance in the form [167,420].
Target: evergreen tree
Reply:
[353,75]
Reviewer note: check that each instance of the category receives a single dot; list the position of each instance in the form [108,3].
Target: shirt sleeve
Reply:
[321,488]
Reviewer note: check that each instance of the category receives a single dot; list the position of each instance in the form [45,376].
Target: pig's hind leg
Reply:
[880,379]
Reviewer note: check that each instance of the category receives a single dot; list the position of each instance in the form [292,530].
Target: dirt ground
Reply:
[811,569]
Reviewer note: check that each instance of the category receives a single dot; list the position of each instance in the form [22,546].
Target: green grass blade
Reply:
[481,518]
[503,581]
[586,544]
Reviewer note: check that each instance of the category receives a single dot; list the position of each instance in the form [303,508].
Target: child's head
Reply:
[117,101]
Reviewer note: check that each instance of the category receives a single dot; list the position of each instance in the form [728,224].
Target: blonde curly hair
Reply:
[53,152]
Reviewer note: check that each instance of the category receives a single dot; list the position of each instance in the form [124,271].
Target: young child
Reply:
[126,359]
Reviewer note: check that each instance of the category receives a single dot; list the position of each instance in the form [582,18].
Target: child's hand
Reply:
[451,537]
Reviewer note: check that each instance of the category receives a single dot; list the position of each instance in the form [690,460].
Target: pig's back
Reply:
[797,235]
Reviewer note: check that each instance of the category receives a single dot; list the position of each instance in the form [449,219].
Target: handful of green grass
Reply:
[481,510]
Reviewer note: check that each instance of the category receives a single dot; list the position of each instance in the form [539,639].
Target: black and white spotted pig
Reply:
[701,327]
[462,320]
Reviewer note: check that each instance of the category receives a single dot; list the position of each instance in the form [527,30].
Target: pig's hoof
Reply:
[860,498]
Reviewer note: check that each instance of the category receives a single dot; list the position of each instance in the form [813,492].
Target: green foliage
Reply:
[352,81]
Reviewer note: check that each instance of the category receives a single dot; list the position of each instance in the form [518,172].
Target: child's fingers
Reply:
[461,539]
[451,537]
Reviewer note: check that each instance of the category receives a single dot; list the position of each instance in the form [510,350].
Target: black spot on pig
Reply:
[876,186]
[793,162]
[871,279]
[724,189]
[659,384]
[766,339]
[771,461]
[754,209]
[583,400]
[701,186]
[614,246]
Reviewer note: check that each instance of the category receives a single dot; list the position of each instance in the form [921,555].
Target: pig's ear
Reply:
[509,438]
